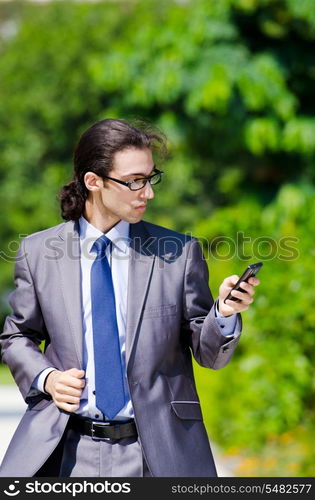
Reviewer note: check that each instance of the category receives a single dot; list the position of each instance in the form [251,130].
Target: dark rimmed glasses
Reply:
[137,184]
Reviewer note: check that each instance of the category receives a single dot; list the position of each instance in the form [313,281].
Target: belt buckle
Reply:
[96,438]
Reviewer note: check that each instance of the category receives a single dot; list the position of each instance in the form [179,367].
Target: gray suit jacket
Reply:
[170,315]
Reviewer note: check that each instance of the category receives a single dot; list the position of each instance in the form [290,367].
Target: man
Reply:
[120,305]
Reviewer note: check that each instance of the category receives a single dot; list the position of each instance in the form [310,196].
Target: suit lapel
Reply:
[140,271]
[70,279]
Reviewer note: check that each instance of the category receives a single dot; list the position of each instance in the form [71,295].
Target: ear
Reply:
[92,181]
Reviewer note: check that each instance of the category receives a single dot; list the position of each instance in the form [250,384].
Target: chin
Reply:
[132,219]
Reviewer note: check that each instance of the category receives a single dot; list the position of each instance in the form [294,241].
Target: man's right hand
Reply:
[65,388]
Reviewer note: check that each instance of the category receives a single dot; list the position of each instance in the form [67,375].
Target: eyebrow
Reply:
[139,173]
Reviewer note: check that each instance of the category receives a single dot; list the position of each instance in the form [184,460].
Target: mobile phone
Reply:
[250,271]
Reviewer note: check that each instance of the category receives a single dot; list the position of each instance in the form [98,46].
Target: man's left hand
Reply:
[245,298]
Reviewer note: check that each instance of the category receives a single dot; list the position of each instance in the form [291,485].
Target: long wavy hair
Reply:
[95,153]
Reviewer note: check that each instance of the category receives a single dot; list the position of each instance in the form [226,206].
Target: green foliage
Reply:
[268,390]
[5,376]
[231,84]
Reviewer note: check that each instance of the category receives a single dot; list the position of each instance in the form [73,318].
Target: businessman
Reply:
[106,315]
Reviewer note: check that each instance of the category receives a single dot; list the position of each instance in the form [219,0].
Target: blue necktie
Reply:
[109,383]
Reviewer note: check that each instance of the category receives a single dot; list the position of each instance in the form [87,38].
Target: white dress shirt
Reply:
[117,254]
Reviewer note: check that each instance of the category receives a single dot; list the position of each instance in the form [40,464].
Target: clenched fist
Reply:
[65,388]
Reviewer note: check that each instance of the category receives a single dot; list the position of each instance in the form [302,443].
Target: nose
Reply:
[147,192]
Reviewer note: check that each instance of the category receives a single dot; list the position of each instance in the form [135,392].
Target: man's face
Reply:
[118,201]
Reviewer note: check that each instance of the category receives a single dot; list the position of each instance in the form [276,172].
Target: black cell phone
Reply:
[250,271]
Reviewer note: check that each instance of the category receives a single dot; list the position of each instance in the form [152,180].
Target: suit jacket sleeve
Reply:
[24,329]
[209,346]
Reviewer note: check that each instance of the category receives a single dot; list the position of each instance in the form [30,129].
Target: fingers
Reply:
[254,281]
[230,281]
[227,285]
[236,307]
[75,372]
[70,381]
[60,388]
[72,378]
[247,290]
[246,293]
[65,398]
[70,408]
[67,391]
[244,296]
[66,388]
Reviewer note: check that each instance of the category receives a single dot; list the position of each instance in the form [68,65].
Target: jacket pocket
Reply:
[187,410]
[157,311]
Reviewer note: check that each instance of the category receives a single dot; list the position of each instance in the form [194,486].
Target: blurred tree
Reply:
[265,396]
[230,82]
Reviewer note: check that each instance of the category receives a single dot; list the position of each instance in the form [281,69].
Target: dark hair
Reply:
[95,153]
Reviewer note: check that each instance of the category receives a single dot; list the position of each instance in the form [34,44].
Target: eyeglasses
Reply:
[137,184]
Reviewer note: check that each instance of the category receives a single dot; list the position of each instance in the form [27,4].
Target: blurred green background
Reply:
[231,83]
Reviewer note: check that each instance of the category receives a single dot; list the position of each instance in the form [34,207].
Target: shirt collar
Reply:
[119,234]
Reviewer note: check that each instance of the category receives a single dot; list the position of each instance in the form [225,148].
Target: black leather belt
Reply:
[107,431]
